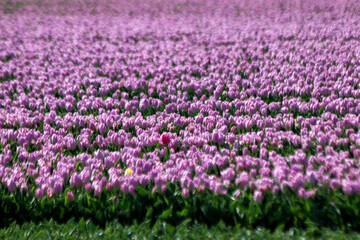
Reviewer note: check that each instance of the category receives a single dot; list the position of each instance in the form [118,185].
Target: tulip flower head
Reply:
[165,139]
[128,171]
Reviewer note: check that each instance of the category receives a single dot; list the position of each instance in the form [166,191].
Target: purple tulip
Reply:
[11,185]
[70,196]
[257,196]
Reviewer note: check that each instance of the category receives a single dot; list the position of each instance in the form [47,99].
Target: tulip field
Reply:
[240,112]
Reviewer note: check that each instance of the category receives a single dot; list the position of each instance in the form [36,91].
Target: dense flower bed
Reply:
[184,102]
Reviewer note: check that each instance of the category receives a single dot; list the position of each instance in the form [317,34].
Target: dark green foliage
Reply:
[332,210]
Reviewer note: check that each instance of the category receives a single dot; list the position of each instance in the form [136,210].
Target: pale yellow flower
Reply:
[128,171]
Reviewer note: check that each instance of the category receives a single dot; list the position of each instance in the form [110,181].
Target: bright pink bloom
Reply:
[165,139]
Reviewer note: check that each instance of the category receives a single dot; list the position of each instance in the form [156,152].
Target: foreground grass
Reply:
[87,230]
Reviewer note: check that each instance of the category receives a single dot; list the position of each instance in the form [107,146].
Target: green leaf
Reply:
[88,199]
[170,229]
[183,213]
[141,191]
[82,226]
[158,202]
[62,212]
[166,214]
[149,212]
[166,200]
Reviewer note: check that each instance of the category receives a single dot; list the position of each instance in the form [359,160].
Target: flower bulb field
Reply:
[244,112]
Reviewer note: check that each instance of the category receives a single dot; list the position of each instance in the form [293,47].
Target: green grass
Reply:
[113,230]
